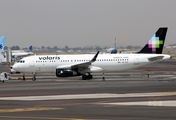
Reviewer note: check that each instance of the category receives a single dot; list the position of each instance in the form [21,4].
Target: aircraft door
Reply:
[136,60]
[32,63]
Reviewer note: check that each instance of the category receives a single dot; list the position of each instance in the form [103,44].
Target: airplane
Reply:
[21,53]
[85,64]
[2,53]
[112,50]
[2,42]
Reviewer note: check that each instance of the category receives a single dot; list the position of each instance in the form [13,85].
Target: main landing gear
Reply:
[87,77]
[34,77]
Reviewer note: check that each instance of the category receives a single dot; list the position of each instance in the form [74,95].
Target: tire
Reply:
[89,76]
[33,79]
[84,77]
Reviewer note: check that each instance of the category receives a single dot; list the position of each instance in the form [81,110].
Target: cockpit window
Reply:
[21,61]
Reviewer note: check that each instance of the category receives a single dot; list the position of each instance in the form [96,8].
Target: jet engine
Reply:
[65,73]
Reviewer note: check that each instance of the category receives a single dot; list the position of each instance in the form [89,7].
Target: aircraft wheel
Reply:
[84,77]
[33,78]
[90,76]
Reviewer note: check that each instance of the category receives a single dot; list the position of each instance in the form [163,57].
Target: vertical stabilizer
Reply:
[156,43]
[115,43]
[30,48]
[2,42]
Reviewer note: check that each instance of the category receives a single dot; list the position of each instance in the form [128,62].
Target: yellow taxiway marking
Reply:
[27,109]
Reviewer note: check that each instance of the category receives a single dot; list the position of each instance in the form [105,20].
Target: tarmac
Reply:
[124,95]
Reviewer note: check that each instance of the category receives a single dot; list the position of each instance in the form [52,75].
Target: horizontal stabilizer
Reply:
[155,58]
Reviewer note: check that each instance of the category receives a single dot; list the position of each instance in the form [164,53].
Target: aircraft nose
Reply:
[11,67]
[15,66]
[13,70]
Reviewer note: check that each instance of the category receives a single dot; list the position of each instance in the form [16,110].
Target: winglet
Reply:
[95,57]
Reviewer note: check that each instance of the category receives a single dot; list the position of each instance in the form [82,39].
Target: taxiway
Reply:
[125,95]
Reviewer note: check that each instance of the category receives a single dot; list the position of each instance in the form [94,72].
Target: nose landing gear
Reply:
[34,77]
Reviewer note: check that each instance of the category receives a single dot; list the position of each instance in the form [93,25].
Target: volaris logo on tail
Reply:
[154,43]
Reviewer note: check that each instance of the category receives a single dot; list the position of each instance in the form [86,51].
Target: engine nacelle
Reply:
[65,73]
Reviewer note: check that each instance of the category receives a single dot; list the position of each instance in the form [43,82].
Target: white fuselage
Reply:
[104,62]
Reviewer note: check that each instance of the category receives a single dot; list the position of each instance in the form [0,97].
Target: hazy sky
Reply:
[80,23]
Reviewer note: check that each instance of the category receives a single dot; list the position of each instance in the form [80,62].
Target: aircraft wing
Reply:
[81,65]
[152,59]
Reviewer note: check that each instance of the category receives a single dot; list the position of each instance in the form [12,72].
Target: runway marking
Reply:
[27,109]
[43,118]
[169,103]
[87,96]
